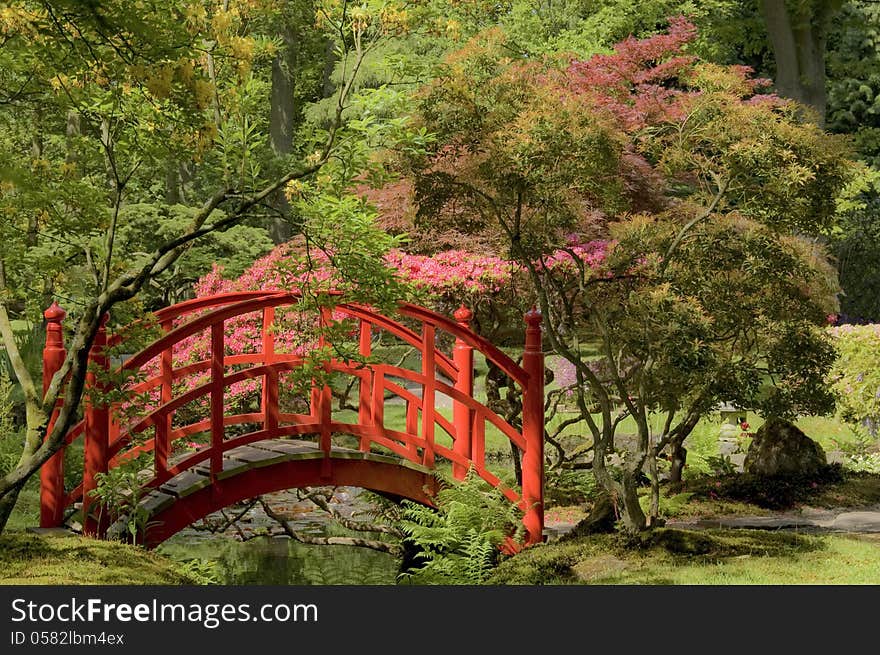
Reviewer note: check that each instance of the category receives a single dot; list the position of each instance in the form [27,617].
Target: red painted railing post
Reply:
[218,387]
[162,443]
[533,430]
[52,472]
[270,381]
[463,358]
[325,397]
[97,433]
[365,390]
[429,383]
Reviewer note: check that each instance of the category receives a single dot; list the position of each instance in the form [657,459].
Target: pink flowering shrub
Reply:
[454,271]
[591,254]
[452,274]
[447,278]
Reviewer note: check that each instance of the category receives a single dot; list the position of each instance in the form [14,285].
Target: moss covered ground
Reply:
[27,558]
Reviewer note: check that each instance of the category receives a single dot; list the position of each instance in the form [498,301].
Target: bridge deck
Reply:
[253,456]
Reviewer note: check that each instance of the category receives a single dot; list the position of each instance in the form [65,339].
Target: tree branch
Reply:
[19,368]
[722,189]
[372,544]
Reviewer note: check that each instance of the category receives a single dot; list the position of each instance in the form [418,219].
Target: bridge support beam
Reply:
[533,430]
[97,435]
[52,472]
[382,477]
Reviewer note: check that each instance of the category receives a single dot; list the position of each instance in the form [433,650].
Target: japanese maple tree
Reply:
[705,188]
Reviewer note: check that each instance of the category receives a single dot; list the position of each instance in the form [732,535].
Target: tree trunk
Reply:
[7,504]
[517,463]
[282,116]
[632,515]
[282,113]
[679,456]
[72,131]
[624,496]
[599,513]
[676,446]
[331,57]
[797,38]
[654,509]
[172,182]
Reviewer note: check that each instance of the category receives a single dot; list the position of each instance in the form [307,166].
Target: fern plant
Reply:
[119,493]
[202,572]
[459,541]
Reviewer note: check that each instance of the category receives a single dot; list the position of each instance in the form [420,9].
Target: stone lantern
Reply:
[731,418]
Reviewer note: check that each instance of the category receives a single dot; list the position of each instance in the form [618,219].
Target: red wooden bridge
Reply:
[249,453]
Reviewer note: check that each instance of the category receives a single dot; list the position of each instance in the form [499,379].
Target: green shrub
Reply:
[569,487]
[855,376]
[860,454]
[10,438]
[203,572]
[119,493]
[770,492]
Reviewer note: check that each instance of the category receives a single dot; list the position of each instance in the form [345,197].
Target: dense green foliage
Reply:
[854,76]
[136,136]
[855,378]
[693,179]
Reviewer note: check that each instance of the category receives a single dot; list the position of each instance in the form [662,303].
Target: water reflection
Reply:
[284,561]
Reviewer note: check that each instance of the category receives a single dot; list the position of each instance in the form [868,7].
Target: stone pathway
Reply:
[809,519]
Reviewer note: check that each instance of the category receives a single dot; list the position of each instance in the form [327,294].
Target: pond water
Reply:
[284,561]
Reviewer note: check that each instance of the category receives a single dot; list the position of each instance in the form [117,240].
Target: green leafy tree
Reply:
[148,225]
[854,76]
[98,99]
[696,181]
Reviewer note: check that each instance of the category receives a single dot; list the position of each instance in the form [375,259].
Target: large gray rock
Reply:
[780,448]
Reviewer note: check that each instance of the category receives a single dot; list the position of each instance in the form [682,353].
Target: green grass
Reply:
[53,560]
[26,513]
[710,557]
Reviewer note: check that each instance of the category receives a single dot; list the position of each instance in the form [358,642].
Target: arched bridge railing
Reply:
[172,384]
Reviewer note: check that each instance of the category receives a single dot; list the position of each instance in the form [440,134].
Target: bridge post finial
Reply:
[462,416]
[533,429]
[52,472]
[97,430]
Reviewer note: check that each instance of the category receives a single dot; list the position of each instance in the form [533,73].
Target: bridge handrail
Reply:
[490,350]
[225,312]
[193,305]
